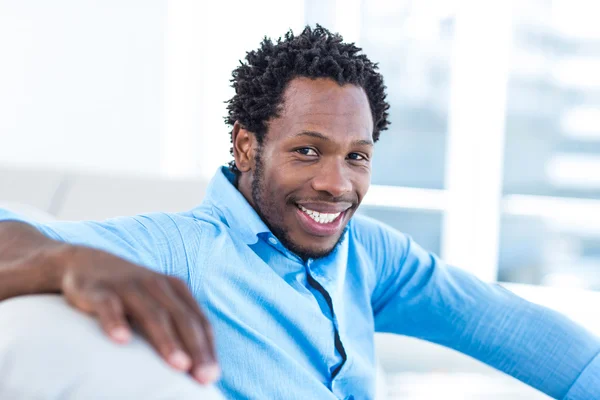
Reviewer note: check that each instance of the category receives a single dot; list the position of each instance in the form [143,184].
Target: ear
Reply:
[243,147]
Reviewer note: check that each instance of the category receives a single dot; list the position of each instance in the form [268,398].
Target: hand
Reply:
[115,291]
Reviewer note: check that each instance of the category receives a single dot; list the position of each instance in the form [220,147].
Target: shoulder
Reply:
[200,228]
[383,248]
[197,225]
[178,234]
[377,237]
[181,242]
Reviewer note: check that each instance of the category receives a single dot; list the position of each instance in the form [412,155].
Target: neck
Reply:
[244,186]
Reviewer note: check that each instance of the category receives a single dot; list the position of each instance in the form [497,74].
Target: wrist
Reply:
[37,272]
[54,261]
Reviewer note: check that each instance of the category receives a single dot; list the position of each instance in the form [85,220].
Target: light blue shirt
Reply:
[288,329]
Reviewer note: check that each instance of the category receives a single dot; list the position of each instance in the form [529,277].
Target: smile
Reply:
[321,218]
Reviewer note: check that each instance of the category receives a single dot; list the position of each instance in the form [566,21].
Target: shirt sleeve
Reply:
[153,240]
[418,295]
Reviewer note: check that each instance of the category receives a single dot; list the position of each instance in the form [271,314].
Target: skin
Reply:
[317,153]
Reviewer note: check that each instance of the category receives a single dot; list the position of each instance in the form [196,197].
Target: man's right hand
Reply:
[118,293]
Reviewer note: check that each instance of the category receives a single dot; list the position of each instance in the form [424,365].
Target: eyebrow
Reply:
[318,135]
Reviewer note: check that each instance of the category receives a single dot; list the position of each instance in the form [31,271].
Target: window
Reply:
[550,229]
[437,172]
[493,156]
[412,44]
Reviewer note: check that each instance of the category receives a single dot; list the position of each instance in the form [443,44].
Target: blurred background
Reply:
[492,159]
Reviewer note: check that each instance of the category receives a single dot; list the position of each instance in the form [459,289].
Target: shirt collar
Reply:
[222,194]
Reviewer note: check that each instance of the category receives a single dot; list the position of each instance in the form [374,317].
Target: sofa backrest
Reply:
[88,196]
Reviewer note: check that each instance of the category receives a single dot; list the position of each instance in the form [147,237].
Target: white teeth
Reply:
[322,218]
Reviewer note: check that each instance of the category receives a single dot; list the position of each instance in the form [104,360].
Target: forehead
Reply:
[322,105]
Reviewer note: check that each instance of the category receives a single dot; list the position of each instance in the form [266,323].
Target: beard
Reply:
[265,205]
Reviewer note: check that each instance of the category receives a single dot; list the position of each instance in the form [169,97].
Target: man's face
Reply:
[314,166]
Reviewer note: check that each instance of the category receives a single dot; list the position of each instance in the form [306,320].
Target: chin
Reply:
[311,251]
[301,243]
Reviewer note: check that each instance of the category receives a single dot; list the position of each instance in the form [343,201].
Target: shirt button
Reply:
[272,240]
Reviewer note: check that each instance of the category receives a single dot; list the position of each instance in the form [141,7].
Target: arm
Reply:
[33,255]
[98,267]
[418,295]
[29,261]
[154,241]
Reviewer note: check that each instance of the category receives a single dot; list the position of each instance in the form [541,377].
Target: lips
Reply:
[323,219]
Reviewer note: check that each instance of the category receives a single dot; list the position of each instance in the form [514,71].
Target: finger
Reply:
[185,294]
[109,310]
[193,330]
[182,290]
[157,327]
[205,368]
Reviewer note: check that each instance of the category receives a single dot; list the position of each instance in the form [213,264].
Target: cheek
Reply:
[362,191]
[276,191]
[361,184]
[285,179]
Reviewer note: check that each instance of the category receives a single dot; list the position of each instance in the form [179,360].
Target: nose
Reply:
[334,178]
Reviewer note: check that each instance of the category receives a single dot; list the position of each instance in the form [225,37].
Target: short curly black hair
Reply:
[259,82]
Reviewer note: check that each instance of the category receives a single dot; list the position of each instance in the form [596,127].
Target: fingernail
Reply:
[180,360]
[207,373]
[120,334]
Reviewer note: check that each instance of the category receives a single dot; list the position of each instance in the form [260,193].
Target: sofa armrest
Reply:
[49,350]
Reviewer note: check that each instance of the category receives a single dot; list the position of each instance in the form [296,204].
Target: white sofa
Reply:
[413,369]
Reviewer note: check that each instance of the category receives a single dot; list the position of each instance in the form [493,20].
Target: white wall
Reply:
[205,41]
[81,83]
[134,86]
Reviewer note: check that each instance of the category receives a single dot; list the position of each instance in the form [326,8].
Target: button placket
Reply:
[319,282]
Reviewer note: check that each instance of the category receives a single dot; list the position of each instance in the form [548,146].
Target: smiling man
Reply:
[292,282]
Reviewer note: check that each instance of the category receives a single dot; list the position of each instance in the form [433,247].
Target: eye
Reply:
[307,151]
[357,157]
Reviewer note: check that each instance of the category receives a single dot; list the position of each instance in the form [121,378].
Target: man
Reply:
[293,283]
